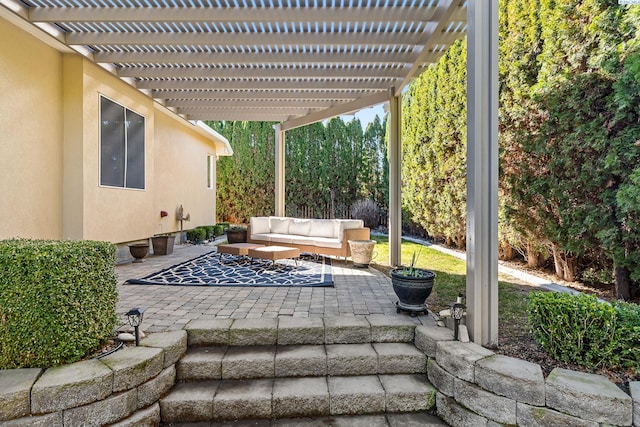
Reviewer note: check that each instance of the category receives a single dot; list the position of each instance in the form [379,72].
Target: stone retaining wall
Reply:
[122,389]
[477,387]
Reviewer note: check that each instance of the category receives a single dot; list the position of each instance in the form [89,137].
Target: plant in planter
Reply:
[412,286]
[237,234]
[163,244]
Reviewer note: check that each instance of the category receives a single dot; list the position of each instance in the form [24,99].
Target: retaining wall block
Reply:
[208,332]
[456,415]
[70,386]
[346,330]
[254,332]
[107,411]
[634,387]
[487,404]
[300,330]
[151,391]
[427,338]
[134,366]
[15,392]
[459,359]
[535,416]
[588,396]
[441,379]
[174,344]
[514,378]
[149,417]
[391,329]
[48,420]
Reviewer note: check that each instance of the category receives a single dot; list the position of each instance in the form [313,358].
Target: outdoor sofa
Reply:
[318,236]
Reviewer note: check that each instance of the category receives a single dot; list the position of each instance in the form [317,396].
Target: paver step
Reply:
[417,419]
[297,331]
[293,397]
[243,362]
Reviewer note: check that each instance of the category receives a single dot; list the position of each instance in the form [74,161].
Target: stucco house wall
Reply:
[50,151]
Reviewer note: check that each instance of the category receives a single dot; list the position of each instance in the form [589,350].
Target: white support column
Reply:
[395,182]
[482,171]
[280,170]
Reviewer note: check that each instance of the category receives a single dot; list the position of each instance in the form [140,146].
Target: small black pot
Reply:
[412,291]
[237,236]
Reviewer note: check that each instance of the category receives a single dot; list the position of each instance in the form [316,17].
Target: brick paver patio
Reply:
[357,292]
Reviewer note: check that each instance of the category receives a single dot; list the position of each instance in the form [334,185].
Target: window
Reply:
[210,170]
[121,146]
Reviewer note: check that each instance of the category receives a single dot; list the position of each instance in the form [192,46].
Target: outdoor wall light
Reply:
[135,319]
[457,312]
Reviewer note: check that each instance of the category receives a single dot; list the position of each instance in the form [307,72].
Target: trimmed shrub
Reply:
[366,210]
[57,301]
[580,329]
[211,231]
[197,235]
[218,230]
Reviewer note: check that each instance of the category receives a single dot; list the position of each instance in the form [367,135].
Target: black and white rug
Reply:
[212,269]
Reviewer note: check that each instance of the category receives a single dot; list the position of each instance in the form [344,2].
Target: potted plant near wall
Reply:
[412,286]
[237,234]
[163,244]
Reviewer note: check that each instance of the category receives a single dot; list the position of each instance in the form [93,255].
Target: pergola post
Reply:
[482,171]
[280,171]
[395,181]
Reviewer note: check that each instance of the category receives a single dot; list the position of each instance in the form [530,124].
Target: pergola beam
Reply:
[365,39]
[258,15]
[249,58]
[259,95]
[265,85]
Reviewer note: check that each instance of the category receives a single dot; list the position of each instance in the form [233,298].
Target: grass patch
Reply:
[451,279]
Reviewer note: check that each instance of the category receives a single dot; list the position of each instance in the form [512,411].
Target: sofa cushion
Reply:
[279,225]
[259,225]
[302,240]
[324,242]
[264,237]
[279,238]
[323,228]
[299,227]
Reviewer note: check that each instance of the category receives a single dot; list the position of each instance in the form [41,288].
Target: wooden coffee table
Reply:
[274,253]
[237,249]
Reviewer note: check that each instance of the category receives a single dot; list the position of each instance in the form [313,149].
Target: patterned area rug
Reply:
[212,269]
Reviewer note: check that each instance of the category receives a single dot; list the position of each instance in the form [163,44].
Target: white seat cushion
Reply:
[259,225]
[279,238]
[265,237]
[324,242]
[300,227]
[279,225]
[323,228]
[302,240]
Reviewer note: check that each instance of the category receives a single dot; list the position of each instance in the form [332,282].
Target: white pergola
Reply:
[297,62]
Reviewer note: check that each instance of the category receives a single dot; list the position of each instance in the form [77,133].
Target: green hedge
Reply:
[57,301]
[580,329]
[197,235]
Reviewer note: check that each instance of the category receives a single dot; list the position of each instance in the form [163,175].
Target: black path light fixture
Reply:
[135,319]
[457,312]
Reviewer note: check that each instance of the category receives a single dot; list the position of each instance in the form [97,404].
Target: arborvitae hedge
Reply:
[57,301]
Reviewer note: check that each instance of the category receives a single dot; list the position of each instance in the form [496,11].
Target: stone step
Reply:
[415,419]
[293,397]
[244,362]
[297,331]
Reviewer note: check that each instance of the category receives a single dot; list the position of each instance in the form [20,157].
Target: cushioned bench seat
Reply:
[320,236]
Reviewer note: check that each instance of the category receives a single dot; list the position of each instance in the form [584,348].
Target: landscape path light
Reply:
[135,316]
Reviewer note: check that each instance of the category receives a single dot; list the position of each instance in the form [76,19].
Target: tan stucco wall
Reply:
[30,136]
[181,174]
[50,152]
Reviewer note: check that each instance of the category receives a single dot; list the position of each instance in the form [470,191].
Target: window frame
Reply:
[125,160]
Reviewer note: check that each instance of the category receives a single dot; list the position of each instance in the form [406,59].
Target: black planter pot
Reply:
[237,236]
[412,291]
